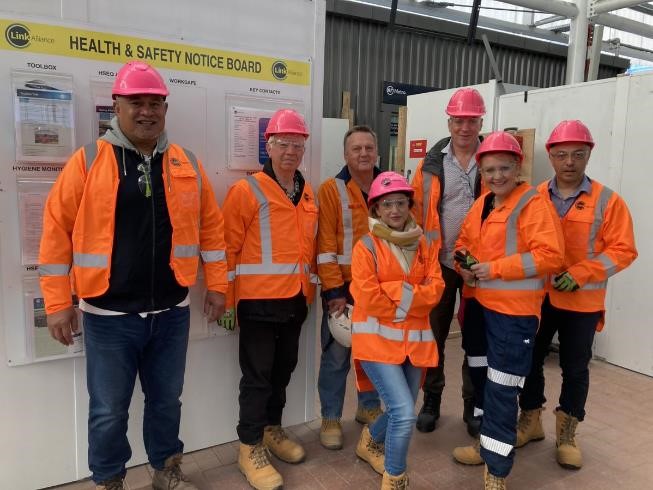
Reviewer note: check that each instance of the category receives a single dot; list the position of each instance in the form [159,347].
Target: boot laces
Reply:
[260,456]
[173,473]
[376,448]
[494,482]
[278,434]
[568,431]
[431,404]
[400,483]
[114,484]
[524,420]
[370,413]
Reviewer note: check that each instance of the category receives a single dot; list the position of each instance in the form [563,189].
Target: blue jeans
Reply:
[117,348]
[398,385]
[335,363]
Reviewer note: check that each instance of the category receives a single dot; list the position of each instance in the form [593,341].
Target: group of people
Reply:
[132,216]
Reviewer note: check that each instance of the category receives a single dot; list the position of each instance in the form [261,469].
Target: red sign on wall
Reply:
[417,148]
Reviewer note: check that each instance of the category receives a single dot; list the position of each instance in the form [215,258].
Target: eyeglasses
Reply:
[144,181]
[398,203]
[285,145]
[503,170]
[576,156]
[461,121]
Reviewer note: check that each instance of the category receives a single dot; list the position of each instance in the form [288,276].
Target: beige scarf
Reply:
[403,244]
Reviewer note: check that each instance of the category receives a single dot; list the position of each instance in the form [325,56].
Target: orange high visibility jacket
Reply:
[270,241]
[599,242]
[79,217]
[342,221]
[390,320]
[522,240]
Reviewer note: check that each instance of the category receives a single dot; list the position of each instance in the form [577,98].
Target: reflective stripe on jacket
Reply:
[79,217]
[522,240]
[270,241]
[599,242]
[390,320]
[342,221]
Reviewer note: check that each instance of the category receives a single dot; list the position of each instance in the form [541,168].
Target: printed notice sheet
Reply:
[31,201]
[43,116]
[246,137]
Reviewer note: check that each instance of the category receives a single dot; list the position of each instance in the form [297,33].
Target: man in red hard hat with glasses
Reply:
[599,242]
[131,215]
[271,227]
[446,184]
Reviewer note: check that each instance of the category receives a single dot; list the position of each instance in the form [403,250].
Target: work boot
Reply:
[390,482]
[371,451]
[254,463]
[367,415]
[493,482]
[111,484]
[331,434]
[429,413]
[568,454]
[277,441]
[171,477]
[468,454]
[529,427]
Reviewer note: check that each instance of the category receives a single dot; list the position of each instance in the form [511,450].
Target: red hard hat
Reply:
[286,121]
[139,78]
[466,102]
[499,142]
[387,183]
[570,131]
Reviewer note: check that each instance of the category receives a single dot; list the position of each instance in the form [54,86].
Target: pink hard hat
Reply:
[570,131]
[499,142]
[139,78]
[387,183]
[286,121]
[466,102]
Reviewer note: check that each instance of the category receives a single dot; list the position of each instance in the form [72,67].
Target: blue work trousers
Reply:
[335,363]
[499,351]
[398,385]
[117,349]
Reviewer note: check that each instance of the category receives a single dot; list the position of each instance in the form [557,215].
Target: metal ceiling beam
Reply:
[643,8]
[577,50]
[557,7]
[597,7]
[624,24]
[548,20]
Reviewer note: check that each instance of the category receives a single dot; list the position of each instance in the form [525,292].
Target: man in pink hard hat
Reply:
[446,184]
[131,214]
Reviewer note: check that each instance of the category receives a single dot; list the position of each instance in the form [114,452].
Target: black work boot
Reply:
[429,413]
[473,423]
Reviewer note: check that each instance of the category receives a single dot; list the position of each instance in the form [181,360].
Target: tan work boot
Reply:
[568,453]
[390,482]
[254,463]
[112,484]
[331,434]
[371,451]
[171,477]
[277,441]
[468,454]
[529,427]
[493,482]
[367,415]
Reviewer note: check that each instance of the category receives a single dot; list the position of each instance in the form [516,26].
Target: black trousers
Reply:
[440,320]
[268,356]
[576,335]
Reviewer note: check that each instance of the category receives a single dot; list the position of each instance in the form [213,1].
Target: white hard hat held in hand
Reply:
[340,327]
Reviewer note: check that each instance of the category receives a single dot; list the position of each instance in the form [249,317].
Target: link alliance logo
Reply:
[279,70]
[18,36]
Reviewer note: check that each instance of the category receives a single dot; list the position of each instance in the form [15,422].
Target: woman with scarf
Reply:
[396,281]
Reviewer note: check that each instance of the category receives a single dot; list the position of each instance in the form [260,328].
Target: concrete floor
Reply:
[616,439]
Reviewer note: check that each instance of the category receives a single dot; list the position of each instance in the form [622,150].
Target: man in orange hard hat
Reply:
[599,242]
[131,214]
[446,184]
[270,226]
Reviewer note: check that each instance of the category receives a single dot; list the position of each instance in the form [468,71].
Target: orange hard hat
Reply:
[139,78]
[466,102]
[499,142]
[570,131]
[387,183]
[286,121]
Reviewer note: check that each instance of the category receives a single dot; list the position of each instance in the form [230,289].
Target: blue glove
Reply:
[565,283]
[228,320]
